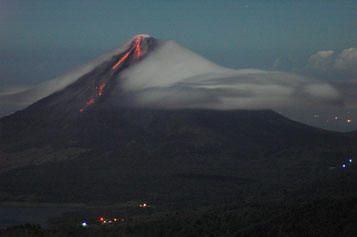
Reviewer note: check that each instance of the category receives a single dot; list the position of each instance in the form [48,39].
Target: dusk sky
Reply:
[42,39]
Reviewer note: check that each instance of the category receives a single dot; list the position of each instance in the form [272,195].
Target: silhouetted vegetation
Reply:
[328,217]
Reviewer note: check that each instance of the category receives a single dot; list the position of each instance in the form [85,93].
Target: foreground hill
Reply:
[165,155]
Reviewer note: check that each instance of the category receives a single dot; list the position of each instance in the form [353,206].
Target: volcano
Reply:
[94,137]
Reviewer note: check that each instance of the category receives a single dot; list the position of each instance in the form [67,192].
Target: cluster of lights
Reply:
[103,220]
[345,165]
[144,205]
[347,119]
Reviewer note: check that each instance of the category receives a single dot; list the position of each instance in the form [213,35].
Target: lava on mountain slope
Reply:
[99,92]
[135,51]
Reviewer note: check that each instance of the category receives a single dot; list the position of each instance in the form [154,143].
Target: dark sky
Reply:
[41,39]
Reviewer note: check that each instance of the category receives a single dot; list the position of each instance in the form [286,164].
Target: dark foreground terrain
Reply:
[180,157]
[204,173]
[326,217]
[324,208]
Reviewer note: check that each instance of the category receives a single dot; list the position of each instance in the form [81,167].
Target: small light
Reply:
[349,120]
[143,205]
[350,160]
[84,224]
[344,166]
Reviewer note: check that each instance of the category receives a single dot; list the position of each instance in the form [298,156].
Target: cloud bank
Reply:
[340,70]
[174,77]
[334,65]
[13,99]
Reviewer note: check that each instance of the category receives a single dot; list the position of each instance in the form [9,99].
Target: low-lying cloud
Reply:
[16,98]
[174,77]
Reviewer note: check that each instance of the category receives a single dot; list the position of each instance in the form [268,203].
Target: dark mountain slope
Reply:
[151,154]
[86,143]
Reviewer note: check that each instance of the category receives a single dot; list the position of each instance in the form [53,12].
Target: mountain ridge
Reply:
[92,135]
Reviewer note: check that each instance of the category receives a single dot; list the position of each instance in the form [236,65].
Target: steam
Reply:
[15,99]
[174,77]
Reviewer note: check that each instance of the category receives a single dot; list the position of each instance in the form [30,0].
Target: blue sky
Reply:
[40,39]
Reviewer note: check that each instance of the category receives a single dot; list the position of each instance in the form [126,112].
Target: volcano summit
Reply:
[154,73]
[154,118]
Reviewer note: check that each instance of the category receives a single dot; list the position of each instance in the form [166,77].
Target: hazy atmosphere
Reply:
[42,40]
[178,118]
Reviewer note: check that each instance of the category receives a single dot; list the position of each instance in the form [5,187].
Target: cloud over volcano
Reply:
[171,76]
[174,77]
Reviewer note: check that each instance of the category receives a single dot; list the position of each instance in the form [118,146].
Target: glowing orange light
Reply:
[121,60]
[89,103]
[138,46]
[137,51]
[99,92]
[100,88]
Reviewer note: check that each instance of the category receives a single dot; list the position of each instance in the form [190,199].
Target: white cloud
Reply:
[347,60]
[332,65]
[321,91]
[20,97]
[174,77]
[322,60]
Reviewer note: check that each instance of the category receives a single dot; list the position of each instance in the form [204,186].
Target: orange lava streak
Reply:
[99,92]
[138,46]
[137,50]
[100,89]
[89,103]
[115,66]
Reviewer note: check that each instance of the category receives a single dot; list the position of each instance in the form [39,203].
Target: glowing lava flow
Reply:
[99,92]
[136,48]
[121,60]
